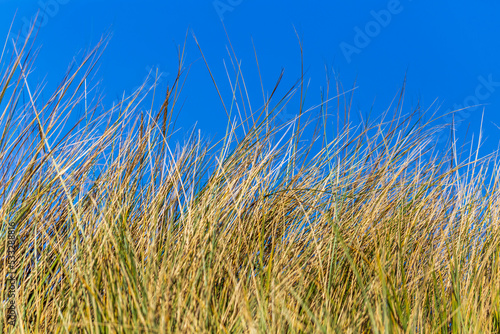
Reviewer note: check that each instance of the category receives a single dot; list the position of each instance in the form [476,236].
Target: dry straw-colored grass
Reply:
[119,231]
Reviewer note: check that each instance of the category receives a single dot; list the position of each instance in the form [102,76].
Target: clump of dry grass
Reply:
[117,231]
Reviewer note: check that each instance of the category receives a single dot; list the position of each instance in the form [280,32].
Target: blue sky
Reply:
[448,49]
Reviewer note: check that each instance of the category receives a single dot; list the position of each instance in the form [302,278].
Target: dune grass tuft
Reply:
[369,229]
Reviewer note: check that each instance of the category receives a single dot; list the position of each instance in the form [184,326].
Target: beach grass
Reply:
[363,228]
